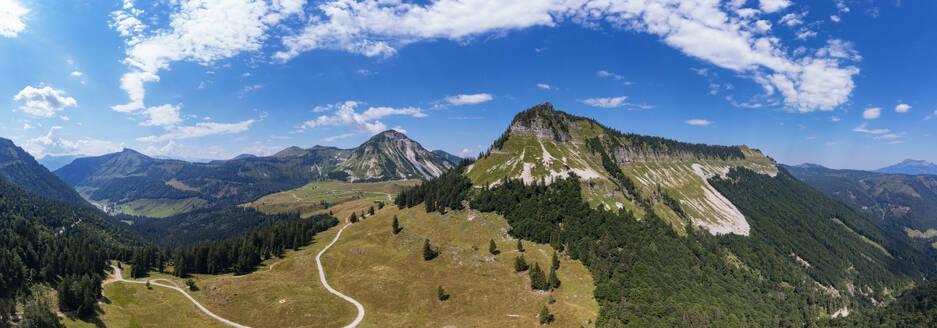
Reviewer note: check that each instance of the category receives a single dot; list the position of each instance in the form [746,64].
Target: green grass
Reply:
[386,273]
[160,208]
[308,199]
[864,238]
[133,305]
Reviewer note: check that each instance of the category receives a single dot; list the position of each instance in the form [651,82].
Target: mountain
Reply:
[453,159]
[390,155]
[904,205]
[910,166]
[20,168]
[55,162]
[620,171]
[132,183]
[679,234]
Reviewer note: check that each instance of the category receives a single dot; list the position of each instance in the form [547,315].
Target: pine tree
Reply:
[545,315]
[353,218]
[520,264]
[428,252]
[39,314]
[538,280]
[555,265]
[553,281]
[493,248]
[441,294]
[371,210]
[520,246]
[396,225]
[191,284]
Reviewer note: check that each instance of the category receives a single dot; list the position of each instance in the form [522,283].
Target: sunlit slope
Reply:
[543,144]
[387,274]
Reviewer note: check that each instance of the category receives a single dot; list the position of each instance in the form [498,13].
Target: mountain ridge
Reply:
[619,170]
[910,166]
[133,183]
[20,168]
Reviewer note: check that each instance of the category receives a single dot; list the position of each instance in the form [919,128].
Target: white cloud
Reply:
[805,34]
[51,144]
[890,136]
[472,99]
[864,128]
[872,113]
[340,136]
[608,102]
[835,18]
[202,31]
[698,122]
[77,74]
[729,39]
[930,116]
[609,74]
[11,18]
[200,129]
[43,102]
[365,72]
[544,86]
[793,19]
[902,108]
[836,48]
[166,116]
[366,122]
[841,6]
[771,6]
[835,118]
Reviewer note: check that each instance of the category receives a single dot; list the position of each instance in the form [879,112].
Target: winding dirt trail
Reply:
[119,277]
[332,290]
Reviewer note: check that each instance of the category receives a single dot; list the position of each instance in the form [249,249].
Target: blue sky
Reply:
[848,84]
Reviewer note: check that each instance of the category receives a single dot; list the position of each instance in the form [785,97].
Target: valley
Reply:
[563,221]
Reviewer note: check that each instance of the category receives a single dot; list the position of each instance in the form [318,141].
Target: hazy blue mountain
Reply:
[910,166]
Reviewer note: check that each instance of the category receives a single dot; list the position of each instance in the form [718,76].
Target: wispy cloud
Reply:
[698,122]
[200,129]
[469,99]
[544,86]
[607,102]
[864,128]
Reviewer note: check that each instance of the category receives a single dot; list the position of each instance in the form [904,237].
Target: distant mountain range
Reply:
[53,162]
[132,183]
[20,168]
[904,205]
[910,166]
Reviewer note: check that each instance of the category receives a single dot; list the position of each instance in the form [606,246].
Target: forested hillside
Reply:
[131,183]
[903,205]
[20,168]
[58,244]
[804,258]
[205,225]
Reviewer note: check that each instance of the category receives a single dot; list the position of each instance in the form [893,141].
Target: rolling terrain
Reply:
[131,183]
[903,205]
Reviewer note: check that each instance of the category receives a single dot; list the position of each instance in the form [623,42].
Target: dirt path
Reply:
[119,277]
[332,290]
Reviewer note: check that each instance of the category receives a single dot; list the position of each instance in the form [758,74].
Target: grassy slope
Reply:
[307,198]
[675,175]
[387,275]
[132,305]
